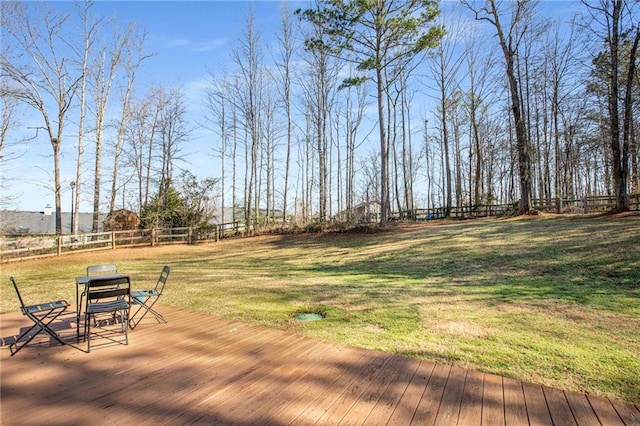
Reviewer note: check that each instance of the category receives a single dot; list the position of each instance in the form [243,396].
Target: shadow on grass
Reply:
[509,261]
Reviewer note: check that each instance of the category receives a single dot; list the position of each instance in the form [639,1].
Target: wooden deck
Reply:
[208,370]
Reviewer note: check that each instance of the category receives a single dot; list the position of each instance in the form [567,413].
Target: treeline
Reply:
[332,115]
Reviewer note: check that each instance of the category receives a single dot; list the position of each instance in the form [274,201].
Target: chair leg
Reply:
[125,325]
[141,305]
[157,314]
[147,308]
[39,322]
[18,347]
[111,326]
[87,331]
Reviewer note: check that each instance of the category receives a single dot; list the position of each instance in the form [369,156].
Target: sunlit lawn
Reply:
[549,300]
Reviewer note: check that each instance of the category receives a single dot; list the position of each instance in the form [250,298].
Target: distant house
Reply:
[14,222]
[364,212]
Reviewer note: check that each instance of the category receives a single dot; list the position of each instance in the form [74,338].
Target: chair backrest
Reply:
[107,288]
[162,280]
[105,269]
[15,287]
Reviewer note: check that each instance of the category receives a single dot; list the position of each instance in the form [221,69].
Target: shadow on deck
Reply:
[209,370]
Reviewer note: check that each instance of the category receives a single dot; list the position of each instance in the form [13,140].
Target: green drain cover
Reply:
[309,317]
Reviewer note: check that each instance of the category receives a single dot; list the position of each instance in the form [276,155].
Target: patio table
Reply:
[81,285]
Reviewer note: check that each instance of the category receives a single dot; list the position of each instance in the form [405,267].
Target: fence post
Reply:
[153,237]
[113,240]
[59,242]
[189,235]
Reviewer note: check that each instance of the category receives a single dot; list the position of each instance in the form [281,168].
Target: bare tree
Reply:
[102,72]
[376,36]
[218,107]
[477,97]
[133,55]
[234,159]
[286,44]
[612,22]
[355,103]
[510,44]
[248,57]
[140,137]
[173,131]
[90,28]
[317,86]
[445,67]
[560,55]
[271,132]
[44,79]
[9,122]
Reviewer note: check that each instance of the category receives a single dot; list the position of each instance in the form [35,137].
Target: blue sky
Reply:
[189,40]
[192,37]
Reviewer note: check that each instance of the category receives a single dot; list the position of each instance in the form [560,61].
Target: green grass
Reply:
[550,300]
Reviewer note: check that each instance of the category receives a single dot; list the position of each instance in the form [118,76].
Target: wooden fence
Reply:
[23,246]
[19,247]
[462,212]
[591,204]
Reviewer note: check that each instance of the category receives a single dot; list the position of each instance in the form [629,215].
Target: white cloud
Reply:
[205,46]
[177,42]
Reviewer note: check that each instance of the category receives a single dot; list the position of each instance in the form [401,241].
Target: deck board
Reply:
[627,413]
[581,409]
[204,369]
[537,409]
[452,397]
[605,411]
[471,408]
[516,414]
[390,398]
[558,407]
[430,403]
[408,405]
[352,393]
[369,399]
[298,396]
[493,400]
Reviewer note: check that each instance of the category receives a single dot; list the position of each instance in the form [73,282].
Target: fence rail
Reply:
[22,246]
[18,247]
[591,204]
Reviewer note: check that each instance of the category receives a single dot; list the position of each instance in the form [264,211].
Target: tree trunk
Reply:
[619,183]
[385,206]
[622,199]
[522,142]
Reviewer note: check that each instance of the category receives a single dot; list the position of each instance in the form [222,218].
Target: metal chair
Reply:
[105,269]
[42,315]
[107,295]
[98,270]
[147,298]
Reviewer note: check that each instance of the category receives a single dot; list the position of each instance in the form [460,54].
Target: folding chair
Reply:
[97,270]
[102,269]
[147,298]
[107,295]
[42,315]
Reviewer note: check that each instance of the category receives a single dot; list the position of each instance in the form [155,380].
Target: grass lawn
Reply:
[552,300]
